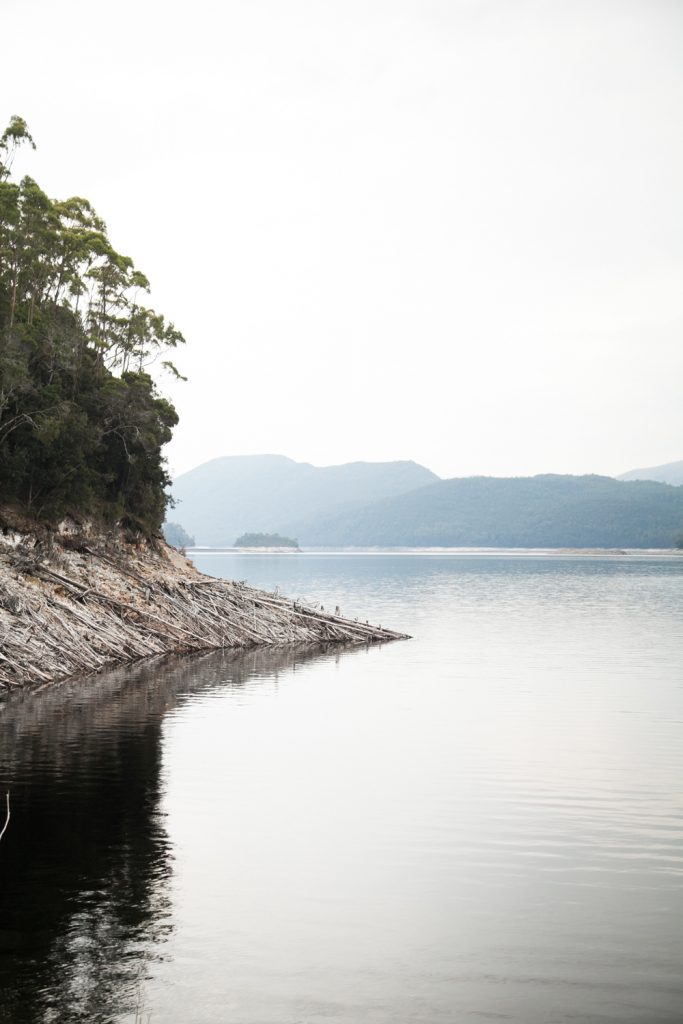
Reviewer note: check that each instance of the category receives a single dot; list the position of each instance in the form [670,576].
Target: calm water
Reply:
[482,823]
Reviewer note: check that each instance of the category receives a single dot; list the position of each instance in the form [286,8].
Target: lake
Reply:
[482,823]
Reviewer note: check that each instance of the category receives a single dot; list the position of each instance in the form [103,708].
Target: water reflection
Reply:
[483,823]
[86,860]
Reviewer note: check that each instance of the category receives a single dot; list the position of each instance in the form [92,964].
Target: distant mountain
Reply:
[540,511]
[176,536]
[669,473]
[226,497]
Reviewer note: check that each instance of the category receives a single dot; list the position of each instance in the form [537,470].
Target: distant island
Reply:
[266,540]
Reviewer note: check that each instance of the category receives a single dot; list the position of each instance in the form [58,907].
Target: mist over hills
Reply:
[226,497]
[668,473]
[405,504]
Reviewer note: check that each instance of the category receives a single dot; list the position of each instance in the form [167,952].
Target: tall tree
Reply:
[82,426]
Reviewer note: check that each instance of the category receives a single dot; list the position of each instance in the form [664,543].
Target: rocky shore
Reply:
[74,600]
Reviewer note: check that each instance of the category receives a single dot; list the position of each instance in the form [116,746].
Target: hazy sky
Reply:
[445,230]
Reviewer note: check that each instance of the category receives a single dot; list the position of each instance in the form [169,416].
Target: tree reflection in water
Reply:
[86,861]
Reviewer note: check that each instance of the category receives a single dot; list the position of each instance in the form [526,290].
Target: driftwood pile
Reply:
[75,607]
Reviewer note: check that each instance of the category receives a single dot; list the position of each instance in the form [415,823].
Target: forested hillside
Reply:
[540,511]
[81,423]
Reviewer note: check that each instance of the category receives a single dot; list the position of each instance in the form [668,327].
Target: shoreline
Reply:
[74,602]
[435,550]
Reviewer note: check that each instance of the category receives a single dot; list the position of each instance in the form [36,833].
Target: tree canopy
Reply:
[82,425]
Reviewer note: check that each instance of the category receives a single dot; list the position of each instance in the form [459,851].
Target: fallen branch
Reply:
[4,829]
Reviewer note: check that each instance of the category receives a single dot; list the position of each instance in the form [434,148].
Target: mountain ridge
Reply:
[547,510]
[404,504]
[235,494]
[666,473]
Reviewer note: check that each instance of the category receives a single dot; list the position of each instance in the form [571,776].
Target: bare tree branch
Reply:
[4,829]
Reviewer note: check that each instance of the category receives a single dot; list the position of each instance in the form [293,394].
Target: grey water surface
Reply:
[482,823]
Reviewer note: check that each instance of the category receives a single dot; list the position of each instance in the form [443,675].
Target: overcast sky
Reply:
[441,230]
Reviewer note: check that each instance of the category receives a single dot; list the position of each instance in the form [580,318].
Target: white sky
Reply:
[445,230]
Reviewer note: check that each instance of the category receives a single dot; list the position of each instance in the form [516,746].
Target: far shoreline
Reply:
[435,550]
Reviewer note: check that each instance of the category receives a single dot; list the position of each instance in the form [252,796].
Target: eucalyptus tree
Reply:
[81,423]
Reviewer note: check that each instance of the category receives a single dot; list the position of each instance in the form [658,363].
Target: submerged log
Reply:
[70,607]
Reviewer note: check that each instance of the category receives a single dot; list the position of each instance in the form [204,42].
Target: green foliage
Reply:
[265,540]
[81,424]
